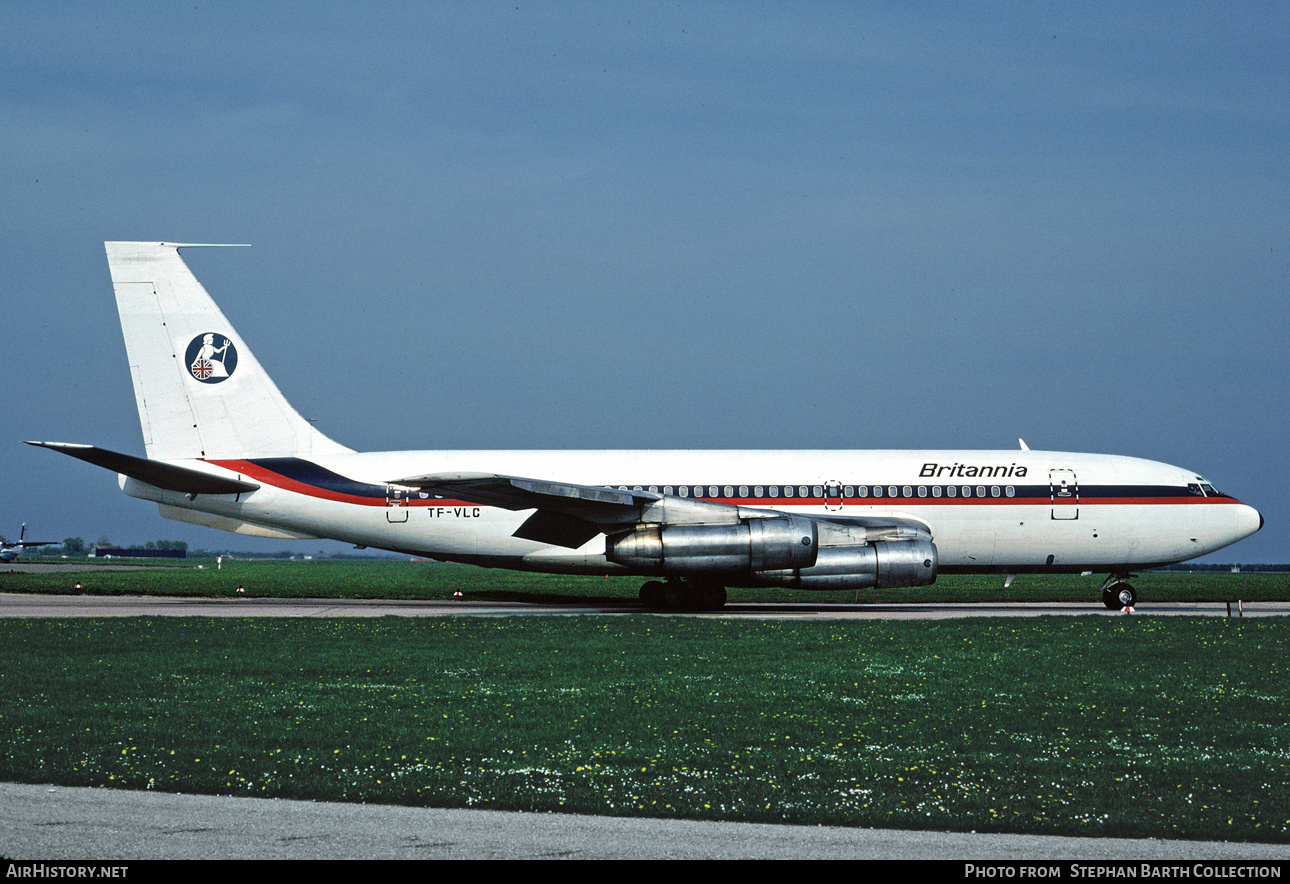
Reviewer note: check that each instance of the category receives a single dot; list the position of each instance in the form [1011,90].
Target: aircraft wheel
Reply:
[673,595]
[712,598]
[652,594]
[1118,596]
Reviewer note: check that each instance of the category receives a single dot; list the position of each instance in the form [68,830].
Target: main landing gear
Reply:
[1117,594]
[682,595]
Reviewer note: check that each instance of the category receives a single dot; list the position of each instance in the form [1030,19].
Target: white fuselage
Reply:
[986,511]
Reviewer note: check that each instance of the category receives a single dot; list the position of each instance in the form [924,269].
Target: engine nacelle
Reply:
[884,564]
[789,542]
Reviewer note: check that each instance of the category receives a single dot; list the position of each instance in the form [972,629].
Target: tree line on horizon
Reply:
[76,546]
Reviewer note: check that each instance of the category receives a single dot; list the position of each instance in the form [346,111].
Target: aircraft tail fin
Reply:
[200,390]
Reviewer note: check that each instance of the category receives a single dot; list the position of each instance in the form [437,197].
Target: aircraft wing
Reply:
[515,493]
[569,515]
[154,472]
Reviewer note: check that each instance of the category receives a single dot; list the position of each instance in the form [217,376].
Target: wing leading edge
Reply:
[566,514]
[569,515]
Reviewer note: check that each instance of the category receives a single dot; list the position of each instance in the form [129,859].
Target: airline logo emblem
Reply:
[211,358]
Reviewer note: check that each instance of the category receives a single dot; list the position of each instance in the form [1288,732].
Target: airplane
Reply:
[10,551]
[226,450]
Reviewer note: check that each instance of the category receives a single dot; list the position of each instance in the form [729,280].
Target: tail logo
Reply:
[211,358]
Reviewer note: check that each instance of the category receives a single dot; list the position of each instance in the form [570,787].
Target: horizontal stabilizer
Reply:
[160,475]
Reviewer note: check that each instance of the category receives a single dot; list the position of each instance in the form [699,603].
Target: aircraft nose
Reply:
[1249,519]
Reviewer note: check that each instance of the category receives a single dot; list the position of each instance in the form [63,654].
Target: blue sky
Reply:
[623,225]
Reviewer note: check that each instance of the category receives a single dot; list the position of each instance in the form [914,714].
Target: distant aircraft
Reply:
[9,552]
[226,450]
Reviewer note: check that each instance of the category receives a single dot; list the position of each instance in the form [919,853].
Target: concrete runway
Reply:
[57,823]
[32,605]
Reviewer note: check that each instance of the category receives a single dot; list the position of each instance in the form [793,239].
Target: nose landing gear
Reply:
[1117,594]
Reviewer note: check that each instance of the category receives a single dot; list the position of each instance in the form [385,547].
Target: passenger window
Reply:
[951,491]
[1010,491]
[801,491]
[980,491]
[684,490]
[891,491]
[936,491]
[994,491]
[922,490]
[774,491]
[788,490]
[967,490]
[908,492]
[817,491]
[863,491]
[730,491]
[848,491]
[877,491]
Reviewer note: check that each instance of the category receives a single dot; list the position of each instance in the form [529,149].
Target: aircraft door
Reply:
[397,499]
[1064,488]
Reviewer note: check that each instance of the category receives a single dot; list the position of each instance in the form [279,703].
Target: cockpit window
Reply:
[1195,489]
[1209,490]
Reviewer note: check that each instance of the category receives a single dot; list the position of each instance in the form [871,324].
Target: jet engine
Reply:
[883,564]
[786,542]
[779,551]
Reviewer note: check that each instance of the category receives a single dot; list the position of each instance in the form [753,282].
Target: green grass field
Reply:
[394,579]
[1116,726]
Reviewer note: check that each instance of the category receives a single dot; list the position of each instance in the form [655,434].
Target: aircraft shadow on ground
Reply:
[552,598]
